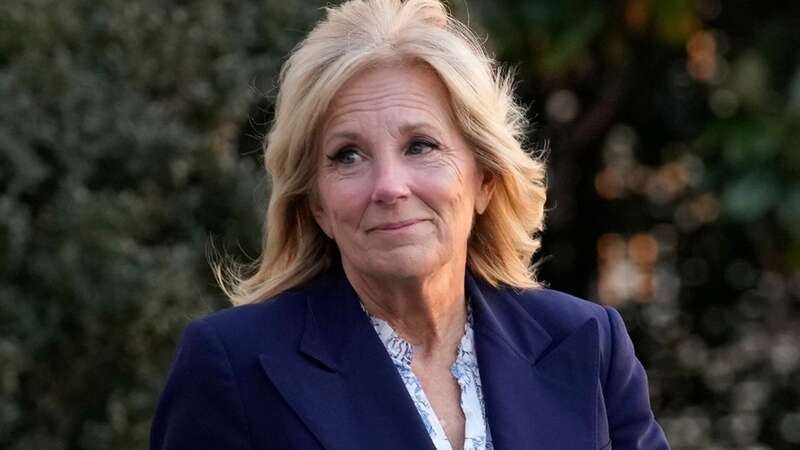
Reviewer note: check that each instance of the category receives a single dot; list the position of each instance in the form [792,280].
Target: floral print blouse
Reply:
[464,370]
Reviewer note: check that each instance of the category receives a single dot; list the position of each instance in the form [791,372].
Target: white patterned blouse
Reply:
[464,370]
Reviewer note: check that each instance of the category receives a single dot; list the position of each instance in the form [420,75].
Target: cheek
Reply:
[446,193]
[343,202]
[458,194]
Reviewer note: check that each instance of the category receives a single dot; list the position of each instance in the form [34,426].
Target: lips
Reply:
[391,226]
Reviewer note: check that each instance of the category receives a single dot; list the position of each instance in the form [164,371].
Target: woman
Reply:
[395,306]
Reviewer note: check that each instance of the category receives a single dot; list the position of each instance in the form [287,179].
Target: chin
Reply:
[402,264]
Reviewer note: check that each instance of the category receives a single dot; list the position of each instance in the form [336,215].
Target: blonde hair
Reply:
[352,37]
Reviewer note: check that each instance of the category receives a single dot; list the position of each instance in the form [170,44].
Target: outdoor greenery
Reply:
[130,137]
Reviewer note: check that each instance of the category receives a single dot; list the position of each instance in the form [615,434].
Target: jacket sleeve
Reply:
[630,419]
[200,407]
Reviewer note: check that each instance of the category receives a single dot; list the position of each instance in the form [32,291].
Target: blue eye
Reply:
[421,146]
[346,156]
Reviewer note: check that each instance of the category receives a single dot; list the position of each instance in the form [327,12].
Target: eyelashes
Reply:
[350,155]
[421,146]
[345,156]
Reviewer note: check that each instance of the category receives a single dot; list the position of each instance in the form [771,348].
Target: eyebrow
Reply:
[346,135]
[416,126]
[408,128]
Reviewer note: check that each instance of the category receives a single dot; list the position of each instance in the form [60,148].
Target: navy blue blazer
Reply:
[306,371]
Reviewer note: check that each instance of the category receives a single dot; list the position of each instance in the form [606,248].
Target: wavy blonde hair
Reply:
[352,37]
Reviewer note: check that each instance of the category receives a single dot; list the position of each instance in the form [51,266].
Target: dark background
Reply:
[129,141]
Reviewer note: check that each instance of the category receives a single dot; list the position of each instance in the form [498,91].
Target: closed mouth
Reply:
[394,225]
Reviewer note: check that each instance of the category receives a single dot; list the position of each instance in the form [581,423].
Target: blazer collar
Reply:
[334,314]
[499,315]
[345,387]
[539,394]
[526,379]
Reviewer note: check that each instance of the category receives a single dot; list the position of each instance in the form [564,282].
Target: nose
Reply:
[391,182]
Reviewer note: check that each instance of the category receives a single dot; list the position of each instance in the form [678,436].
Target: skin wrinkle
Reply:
[433,159]
[352,100]
[329,128]
[379,119]
[398,189]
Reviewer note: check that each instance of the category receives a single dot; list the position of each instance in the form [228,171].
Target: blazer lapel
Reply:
[340,381]
[538,394]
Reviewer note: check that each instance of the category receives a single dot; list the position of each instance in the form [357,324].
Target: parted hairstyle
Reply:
[355,36]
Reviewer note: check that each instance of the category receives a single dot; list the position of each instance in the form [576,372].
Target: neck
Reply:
[429,312]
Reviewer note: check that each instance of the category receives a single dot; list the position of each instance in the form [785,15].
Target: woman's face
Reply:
[397,183]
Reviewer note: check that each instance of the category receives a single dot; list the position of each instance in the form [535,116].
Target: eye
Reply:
[346,156]
[421,146]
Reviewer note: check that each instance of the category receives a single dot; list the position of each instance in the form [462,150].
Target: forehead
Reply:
[393,89]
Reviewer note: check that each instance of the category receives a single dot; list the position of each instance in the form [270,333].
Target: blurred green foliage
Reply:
[129,141]
[119,128]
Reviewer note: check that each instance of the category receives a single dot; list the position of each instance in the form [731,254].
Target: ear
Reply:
[319,214]
[485,192]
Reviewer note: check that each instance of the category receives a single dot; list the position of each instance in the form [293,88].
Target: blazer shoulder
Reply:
[559,306]
[559,313]
[278,319]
